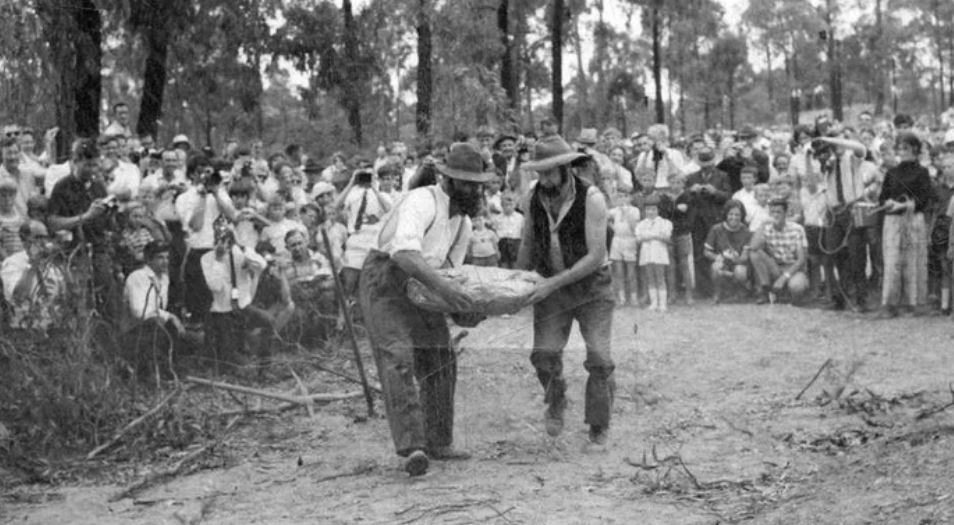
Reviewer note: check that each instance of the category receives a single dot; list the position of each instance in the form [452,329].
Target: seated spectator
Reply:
[784,189]
[312,290]
[10,220]
[727,246]
[273,307]
[140,230]
[33,284]
[779,255]
[231,273]
[312,217]
[153,334]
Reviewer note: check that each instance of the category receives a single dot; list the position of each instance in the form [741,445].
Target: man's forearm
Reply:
[67,223]
[585,266]
[415,266]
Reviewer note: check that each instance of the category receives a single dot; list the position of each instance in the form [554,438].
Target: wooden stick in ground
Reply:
[339,292]
[310,406]
[298,400]
[135,423]
[824,365]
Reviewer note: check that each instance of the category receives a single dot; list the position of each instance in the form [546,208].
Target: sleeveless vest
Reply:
[571,232]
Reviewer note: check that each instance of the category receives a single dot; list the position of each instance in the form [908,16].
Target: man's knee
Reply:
[740,274]
[798,284]
[546,360]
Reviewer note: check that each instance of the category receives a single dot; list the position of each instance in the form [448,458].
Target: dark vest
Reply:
[572,232]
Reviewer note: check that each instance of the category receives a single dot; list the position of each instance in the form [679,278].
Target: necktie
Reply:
[840,190]
[359,221]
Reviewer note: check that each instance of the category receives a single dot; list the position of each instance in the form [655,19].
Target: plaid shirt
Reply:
[783,245]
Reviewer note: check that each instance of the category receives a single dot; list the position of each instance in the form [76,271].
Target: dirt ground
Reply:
[706,430]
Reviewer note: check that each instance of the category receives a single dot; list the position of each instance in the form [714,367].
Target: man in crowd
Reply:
[32,284]
[430,227]
[198,208]
[154,333]
[744,153]
[170,174]
[79,204]
[779,255]
[664,160]
[120,123]
[849,180]
[710,190]
[122,177]
[564,239]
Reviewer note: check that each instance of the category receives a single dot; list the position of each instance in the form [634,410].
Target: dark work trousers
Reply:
[589,302]
[196,295]
[409,344]
[850,260]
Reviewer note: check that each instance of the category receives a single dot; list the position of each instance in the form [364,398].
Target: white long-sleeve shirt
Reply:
[421,222]
[147,294]
[218,277]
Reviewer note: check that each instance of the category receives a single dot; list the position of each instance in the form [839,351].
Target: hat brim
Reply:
[503,138]
[469,176]
[554,161]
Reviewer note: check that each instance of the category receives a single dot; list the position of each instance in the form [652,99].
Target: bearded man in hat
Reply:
[429,229]
[564,239]
[709,189]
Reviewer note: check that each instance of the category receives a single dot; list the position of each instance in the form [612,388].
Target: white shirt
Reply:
[509,226]
[757,216]
[186,204]
[26,188]
[275,233]
[126,178]
[11,271]
[372,207]
[421,222]
[147,294]
[653,251]
[747,198]
[115,128]
[218,276]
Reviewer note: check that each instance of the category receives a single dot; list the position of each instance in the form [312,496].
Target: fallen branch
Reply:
[135,423]
[158,477]
[298,400]
[928,413]
[824,365]
[360,470]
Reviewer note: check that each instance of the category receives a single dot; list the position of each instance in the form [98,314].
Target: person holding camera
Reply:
[31,282]
[198,208]
[663,160]
[364,206]
[80,205]
[745,153]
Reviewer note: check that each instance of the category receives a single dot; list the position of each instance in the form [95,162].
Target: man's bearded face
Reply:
[466,196]
[551,181]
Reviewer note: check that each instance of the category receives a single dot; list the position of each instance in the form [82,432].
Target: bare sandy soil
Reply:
[706,430]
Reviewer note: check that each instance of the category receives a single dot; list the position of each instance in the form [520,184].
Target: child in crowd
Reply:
[647,180]
[483,249]
[140,230]
[248,222]
[279,225]
[681,250]
[814,207]
[10,220]
[758,214]
[493,196]
[509,228]
[653,235]
[940,265]
[746,195]
[623,217]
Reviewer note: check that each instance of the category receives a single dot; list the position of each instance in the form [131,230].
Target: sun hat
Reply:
[550,152]
[747,131]
[8,184]
[321,187]
[180,139]
[587,136]
[464,162]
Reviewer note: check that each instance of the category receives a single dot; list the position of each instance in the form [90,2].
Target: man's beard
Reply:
[466,203]
[550,192]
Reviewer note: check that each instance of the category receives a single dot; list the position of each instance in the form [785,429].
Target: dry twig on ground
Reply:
[928,413]
[824,365]
[135,423]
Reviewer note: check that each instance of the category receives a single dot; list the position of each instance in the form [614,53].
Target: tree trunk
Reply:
[881,78]
[556,51]
[153,81]
[603,104]
[423,116]
[89,59]
[582,87]
[770,80]
[657,62]
[731,90]
[833,66]
[57,25]
[939,43]
[507,78]
[352,91]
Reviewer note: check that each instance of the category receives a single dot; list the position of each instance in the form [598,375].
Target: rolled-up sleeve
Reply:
[417,212]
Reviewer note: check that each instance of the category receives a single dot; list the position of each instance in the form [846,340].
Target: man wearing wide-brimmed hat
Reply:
[429,229]
[564,239]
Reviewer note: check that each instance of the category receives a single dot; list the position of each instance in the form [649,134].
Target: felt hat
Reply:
[503,137]
[180,139]
[747,131]
[550,152]
[706,155]
[464,162]
[587,136]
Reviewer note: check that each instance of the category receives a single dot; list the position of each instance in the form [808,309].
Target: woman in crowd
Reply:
[905,195]
[727,246]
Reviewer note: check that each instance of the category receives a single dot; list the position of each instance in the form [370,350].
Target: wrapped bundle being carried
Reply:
[495,291]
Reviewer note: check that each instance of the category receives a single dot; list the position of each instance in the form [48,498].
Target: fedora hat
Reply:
[464,162]
[550,152]
[587,136]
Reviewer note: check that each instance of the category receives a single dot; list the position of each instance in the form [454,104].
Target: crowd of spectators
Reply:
[177,239]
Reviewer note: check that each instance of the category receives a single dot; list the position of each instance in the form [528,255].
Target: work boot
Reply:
[417,463]
[448,453]
[553,418]
[599,435]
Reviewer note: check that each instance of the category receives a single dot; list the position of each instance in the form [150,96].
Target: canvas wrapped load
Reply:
[495,291]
